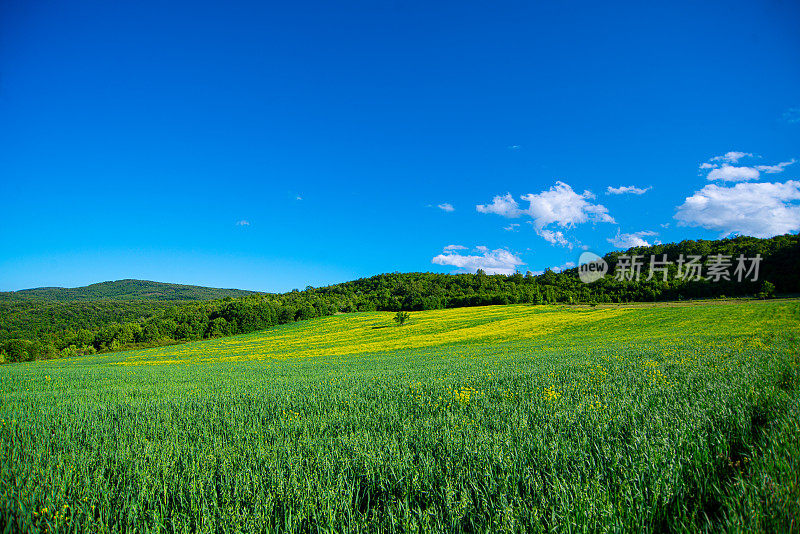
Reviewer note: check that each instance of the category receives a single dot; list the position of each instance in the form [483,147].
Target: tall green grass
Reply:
[650,419]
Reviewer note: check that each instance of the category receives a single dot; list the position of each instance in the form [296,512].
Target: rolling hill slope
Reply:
[646,418]
[127,289]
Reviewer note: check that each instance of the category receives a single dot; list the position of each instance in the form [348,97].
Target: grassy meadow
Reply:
[502,418]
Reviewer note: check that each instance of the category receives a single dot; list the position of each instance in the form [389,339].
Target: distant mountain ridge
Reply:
[127,289]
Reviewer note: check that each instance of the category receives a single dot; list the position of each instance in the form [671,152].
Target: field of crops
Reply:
[501,418]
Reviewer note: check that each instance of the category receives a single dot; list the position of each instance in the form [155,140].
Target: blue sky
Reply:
[269,146]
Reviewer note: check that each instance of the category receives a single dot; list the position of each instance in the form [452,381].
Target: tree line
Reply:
[36,330]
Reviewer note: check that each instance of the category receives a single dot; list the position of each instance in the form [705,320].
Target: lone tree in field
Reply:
[401,317]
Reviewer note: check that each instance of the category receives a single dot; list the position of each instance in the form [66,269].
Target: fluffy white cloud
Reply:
[511,227]
[623,189]
[558,206]
[446,206]
[635,239]
[504,205]
[242,223]
[754,209]
[561,206]
[728,173]
[451,248]
[498,261]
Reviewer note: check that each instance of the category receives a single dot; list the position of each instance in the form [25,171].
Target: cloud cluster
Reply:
[759,209]
[725,169]
[446,206]
[736,202]
[562,206]
[498,261]
[558,207]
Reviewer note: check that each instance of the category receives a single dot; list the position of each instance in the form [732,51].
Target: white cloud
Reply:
[558,206]
[563,207]
[511,227]
[773,169]
[514,147]
[732,157]
[242,223]
[728,173]
[450,248]
[446,206]
[498,261]
[623,189]
[504,205]
[564,267]
[555,238]
[755,209]
[635,239]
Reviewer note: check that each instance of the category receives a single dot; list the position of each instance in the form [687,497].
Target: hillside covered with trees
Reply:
[51,327]
[122,290]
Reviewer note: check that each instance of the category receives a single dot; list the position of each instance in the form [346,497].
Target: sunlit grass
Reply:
[504,418]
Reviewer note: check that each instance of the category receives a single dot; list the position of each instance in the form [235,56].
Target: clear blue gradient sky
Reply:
[267,146]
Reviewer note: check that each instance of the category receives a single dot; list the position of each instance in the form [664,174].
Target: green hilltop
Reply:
[127,289]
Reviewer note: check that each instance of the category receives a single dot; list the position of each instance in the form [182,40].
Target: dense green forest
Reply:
[122,290]
[51,326]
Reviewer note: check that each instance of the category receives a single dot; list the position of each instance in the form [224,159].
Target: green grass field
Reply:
[502,418]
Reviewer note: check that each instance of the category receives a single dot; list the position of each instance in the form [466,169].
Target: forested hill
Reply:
[31,329]
[122,290]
